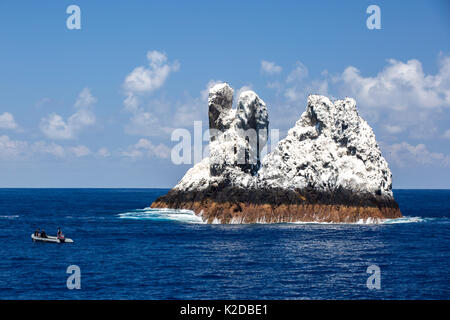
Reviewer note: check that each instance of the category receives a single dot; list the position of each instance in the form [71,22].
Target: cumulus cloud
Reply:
[80,151]
[401,94]
[145,79]
[404,155]
[401,85]
[85,99]
[144,148]
[11,149]
[43,148]
[7,121]
[21,150]
[270,67]
[299,86]
[300,72]
[55,127]
[159,117]
[400,99]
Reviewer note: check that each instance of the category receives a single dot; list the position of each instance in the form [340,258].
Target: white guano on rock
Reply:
[330,148]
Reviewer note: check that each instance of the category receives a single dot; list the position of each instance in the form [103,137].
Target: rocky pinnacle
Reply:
[329,168]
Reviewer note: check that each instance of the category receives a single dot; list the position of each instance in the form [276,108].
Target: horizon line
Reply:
[169,188]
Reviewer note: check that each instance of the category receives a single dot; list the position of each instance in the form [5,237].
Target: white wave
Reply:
[370,221]
[9,217]
[189,216]
[180,215]
[359,222]
[404,220]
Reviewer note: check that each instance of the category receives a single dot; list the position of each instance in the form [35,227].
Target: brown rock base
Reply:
[233,205]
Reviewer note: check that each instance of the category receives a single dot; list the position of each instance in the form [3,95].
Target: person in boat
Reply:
[43,234]
[59,234]
[36,233]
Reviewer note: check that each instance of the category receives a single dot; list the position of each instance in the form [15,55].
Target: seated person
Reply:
[43,234]
[36,233]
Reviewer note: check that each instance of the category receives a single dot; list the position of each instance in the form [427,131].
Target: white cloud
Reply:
[29,151]
[131,102]
[159,117]
[147,124]
[20,150]
[446,134]
[270,67]
[142,80]
[85,99]
[149,78]
[401,98]
[299,73]
[11,149]
[393,129]
[300,91]
[275,85]
[146,149]
[401,86]
[186,112]
[7,121]
[103,152]
[43,148]
[402,94]
[55,127]
[404,155]
[298,87]
[80,151]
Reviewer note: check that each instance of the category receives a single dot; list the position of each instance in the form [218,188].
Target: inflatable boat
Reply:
[50,239]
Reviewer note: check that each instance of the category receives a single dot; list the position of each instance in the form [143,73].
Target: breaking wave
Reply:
[405,220]
[179,215]
[371,221]
[188,216]
[9,217]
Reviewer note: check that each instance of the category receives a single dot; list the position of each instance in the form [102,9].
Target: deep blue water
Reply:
[127,252]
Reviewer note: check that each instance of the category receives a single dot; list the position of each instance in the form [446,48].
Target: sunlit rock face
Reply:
[329,168]
[330,147]
[220,103]
[237,136]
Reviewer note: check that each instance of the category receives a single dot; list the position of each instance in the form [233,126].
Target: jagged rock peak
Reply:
[330,147]
[236,136]
[252,111]
[220,102]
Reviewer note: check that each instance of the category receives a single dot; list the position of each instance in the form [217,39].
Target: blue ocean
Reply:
[127,251]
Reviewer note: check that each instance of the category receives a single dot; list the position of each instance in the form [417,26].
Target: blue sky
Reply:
[65,120]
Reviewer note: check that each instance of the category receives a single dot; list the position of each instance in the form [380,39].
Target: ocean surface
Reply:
[126,251]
